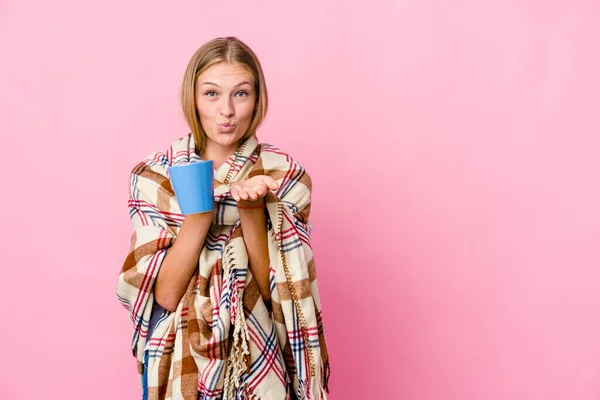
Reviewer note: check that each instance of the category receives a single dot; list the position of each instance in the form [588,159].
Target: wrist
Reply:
[258,204]
[203,218]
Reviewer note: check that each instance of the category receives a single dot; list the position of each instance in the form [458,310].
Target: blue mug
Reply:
[193,186]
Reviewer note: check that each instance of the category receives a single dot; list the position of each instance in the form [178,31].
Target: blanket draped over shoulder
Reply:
[222,342]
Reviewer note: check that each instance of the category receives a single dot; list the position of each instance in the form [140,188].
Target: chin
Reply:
[226,140]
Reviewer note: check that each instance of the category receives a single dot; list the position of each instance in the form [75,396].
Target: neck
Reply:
[219,154]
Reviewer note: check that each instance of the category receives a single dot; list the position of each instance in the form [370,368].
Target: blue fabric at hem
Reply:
[145,377]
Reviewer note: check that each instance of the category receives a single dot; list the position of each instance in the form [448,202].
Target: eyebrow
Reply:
[214,84]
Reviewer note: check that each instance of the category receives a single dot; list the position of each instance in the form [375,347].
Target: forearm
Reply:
[181,261]
[254,228]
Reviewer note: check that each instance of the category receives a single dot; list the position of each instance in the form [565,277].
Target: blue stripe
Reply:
[291,245]
[297,349]
[292,181]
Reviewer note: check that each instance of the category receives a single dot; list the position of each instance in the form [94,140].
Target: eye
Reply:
[210,93]
[242,92]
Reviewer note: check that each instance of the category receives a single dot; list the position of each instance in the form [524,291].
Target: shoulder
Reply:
[275,158]
[150,173]
[282,165]
[181,149]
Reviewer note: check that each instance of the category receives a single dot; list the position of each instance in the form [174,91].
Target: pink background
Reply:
[454,148]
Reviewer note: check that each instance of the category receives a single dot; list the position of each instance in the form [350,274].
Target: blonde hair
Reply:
[230,50]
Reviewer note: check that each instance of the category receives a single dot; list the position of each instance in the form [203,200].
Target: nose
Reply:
[227,110]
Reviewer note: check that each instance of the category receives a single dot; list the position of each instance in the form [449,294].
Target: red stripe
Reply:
[145,284]
[144,287]
[134,203]
[290,172]
[269,360]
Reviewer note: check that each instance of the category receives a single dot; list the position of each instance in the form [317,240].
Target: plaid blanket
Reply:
[222,342]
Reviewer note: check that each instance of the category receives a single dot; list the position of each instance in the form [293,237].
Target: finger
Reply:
[266,180]
[270,183]
[261,190]
[252,193]
[243,194]
[234,193]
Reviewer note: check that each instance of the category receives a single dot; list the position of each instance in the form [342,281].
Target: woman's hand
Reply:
[253,189]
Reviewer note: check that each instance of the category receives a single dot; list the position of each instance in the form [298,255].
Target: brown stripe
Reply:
[206,317]
[131,275]
[251,296]
[147,249]
[312,272]
[163,198]
[134,278]
[139,167]
[257,168]
[197,324]
[164,366]
[189,377]
[165,184]
[277,312]
[322,342]
[204,286]
[186,368]
[302,290]
[288,358]
[146,172]
[237,233]
[199,331]
[303,214]
[164,193]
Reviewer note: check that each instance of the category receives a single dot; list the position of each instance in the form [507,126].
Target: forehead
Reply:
[225,74]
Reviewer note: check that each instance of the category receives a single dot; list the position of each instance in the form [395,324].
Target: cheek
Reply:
[206,110]
[246,111]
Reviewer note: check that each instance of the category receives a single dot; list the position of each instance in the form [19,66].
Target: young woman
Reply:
[225,304]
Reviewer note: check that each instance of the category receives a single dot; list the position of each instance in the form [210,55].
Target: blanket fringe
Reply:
[238,356]
[317,382]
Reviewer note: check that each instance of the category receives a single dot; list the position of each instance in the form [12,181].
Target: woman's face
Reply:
[225,98]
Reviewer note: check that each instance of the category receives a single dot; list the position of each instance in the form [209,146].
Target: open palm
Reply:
[253,189]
